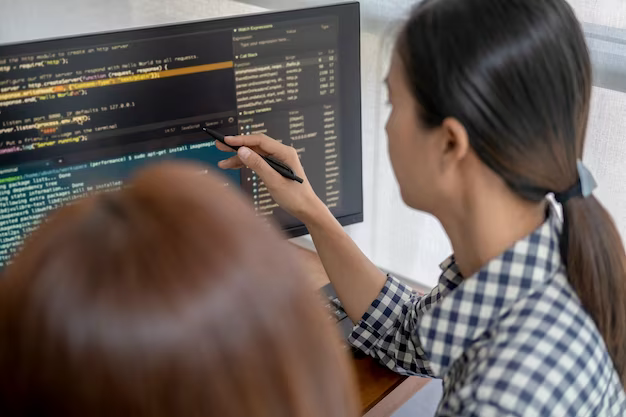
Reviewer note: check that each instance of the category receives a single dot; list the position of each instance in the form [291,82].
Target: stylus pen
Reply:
[278,166]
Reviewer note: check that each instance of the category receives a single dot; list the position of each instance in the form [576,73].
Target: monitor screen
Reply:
[80,114]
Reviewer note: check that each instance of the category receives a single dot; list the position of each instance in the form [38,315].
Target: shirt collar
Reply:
[474,304]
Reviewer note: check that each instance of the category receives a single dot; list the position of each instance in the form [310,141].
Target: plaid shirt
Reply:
[512,340]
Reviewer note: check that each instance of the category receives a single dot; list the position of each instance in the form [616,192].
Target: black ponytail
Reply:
[596,268]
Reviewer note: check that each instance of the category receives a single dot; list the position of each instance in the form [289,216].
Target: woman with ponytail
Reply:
[490,101]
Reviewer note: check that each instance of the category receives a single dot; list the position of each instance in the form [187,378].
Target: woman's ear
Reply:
[454,142]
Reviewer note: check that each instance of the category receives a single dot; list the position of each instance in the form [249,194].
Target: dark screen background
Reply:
[166,113]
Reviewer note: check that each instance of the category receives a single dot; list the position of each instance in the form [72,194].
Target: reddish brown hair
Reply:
[167,298]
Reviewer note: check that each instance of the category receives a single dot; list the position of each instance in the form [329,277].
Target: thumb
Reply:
[254,161]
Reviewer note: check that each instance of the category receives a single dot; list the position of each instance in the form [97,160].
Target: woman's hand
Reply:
[357,280]
[298,199]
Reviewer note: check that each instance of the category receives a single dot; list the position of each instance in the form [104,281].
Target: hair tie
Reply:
[584,186]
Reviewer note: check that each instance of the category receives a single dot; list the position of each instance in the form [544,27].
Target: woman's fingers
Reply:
[219,145]
[296,198]
[231,163]
[265,145]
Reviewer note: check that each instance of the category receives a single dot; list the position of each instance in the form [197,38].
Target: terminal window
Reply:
[80,115]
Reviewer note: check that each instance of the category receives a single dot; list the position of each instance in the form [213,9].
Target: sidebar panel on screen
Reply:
[286,79]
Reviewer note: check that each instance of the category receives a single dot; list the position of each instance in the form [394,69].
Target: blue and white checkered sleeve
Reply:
[483,409]
[388,330]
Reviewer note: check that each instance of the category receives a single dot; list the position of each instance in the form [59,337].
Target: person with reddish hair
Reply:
[166,298]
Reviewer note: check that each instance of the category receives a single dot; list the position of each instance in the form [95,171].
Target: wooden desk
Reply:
[382,391]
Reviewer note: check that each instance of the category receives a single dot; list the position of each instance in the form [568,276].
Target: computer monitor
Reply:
[80,114]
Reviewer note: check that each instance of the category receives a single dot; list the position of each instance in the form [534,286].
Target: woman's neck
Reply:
[482,227]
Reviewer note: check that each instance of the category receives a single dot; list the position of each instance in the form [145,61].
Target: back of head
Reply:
[167,298]
[517,75]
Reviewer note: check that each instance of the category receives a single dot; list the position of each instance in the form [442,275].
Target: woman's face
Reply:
[413,148]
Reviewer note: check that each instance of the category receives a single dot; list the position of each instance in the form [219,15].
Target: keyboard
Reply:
[336,311]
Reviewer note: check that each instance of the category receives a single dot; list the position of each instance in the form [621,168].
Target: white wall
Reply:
[35,19]
[610,13]
[396,238]
[605,151]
